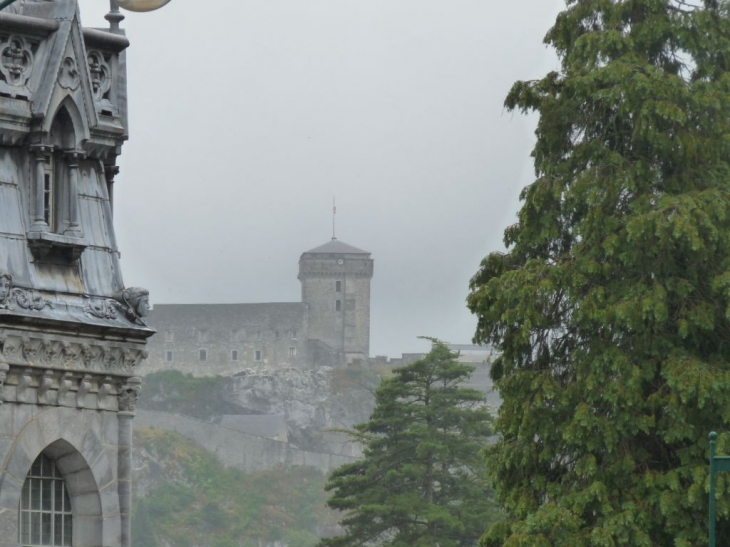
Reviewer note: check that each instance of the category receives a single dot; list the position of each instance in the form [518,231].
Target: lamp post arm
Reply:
[5,3]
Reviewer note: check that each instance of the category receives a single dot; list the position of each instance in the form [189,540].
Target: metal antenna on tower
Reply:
[334,214]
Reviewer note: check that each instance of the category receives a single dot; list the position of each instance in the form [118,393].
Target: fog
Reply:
[248,117]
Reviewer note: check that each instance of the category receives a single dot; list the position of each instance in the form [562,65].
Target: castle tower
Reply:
[335,281]
[71,334]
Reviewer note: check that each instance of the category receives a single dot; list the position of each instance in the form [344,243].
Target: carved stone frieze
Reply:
[31,300]
[49,352]
[16,61]
[10,296]
[102,309]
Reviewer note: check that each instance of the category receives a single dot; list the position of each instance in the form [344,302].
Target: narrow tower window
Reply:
[338,286]
[45,508]
[48,191]
[338,305]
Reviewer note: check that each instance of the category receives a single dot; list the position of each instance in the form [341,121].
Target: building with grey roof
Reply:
[71,333]
[329,327]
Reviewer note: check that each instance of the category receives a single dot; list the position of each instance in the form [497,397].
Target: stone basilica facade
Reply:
[71,334]
[329,327]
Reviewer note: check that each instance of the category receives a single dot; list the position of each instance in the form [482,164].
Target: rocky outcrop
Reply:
[314,403]
[236,449]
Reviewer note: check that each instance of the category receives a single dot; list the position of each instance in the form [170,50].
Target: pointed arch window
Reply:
[45,507]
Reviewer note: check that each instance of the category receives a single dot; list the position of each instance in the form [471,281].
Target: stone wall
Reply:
[210,339]
[239,450]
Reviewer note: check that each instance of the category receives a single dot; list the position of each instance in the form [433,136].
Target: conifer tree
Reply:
[420,483]
[611,307]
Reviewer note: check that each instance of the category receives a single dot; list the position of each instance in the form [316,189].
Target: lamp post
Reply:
[129,5]
[718,464]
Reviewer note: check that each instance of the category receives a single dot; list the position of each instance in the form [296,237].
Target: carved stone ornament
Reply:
[101,75]
[16,61]
[26,300]
[135,303]
[102,309]
[31,300]
[68,74]
[128,395]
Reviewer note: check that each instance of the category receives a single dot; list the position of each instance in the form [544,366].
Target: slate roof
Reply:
[336,246]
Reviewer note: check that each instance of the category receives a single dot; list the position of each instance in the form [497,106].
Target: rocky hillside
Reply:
[313,402]
[184,497]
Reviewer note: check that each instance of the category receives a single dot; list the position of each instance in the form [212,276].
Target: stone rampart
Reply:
[239,450]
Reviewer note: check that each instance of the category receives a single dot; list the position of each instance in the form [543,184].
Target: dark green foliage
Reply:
[420,482]
[611,307]
[201,503]
[172,391]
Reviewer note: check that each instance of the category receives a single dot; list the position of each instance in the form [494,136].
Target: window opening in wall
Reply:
[294,335]
[45,508]
[257,355]
[169,357]
[48,191]
[169,337]
[338,286]
[292,352]
[338,305]
[234,355]
[203,354]
[276,334]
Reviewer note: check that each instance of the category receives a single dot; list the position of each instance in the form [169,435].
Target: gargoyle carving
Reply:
[134,302]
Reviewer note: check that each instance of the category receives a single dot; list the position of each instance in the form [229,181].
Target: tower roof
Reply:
[337,247]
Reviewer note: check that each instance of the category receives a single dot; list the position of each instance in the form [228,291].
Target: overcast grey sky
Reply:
[247,116]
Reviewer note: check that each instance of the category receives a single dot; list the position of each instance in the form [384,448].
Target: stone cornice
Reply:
[46,387]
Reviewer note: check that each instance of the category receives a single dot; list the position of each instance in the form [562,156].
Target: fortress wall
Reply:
[279,331]
[236,449]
